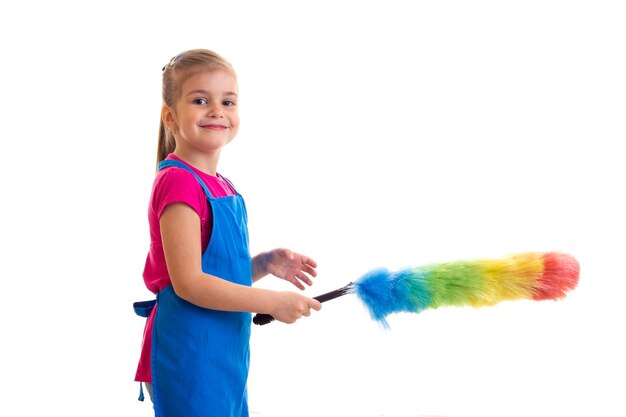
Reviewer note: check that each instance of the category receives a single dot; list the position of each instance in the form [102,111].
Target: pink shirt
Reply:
[173,185]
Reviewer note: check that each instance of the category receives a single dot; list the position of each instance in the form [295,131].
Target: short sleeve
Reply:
[175,185]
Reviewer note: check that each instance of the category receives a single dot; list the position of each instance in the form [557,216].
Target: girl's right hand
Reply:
[290,306]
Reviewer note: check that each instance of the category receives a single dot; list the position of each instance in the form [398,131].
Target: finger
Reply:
[304,278]
[308,261]
[297,283]
[309,270]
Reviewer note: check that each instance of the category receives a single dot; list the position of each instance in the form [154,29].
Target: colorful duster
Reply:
[477,283]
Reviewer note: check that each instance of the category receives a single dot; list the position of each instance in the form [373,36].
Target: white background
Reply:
[373,134]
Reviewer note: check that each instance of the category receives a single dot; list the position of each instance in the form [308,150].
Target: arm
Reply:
[180,232]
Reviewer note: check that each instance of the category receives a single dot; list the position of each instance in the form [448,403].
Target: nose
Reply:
[215,110]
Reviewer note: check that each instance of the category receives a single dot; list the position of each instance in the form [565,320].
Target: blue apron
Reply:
[200,357]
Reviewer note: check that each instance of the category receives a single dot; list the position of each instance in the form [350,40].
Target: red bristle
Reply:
[560,275]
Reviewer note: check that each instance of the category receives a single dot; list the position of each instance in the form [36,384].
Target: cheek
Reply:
[234,123]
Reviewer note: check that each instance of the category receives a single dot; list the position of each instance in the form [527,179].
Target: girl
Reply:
[195,352]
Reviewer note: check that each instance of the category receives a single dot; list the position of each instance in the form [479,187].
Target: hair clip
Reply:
[172,61]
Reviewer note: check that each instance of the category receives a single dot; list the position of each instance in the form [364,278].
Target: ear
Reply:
[167,116]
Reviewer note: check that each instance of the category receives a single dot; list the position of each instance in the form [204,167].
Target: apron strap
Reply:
[230,183]
[141,396]
[174,163]
[144,308]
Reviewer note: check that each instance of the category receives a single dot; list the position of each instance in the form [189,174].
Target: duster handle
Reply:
[262,319]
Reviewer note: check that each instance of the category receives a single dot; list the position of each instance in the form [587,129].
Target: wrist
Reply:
[259,266]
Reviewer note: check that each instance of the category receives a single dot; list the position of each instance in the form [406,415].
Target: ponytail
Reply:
[166,143]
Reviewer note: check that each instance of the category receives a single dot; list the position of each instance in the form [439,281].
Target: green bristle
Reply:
[454,283]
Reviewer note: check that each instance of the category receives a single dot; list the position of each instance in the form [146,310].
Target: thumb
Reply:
[289,254]
[315,305]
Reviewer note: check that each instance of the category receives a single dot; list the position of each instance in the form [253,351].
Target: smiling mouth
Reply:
[214,127]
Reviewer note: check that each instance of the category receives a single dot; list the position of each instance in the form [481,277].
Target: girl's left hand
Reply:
[290,266]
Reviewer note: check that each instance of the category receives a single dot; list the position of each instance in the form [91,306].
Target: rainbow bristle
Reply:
[561,273]
[453,283]
[532,276]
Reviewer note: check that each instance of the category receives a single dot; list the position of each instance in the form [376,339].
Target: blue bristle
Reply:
[383,292]
[374,290]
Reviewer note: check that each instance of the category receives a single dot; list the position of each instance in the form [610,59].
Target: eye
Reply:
[228,103]
[200,101]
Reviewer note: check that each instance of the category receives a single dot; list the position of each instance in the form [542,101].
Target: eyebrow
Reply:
[205,92]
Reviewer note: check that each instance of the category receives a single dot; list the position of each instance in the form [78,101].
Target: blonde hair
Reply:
[181,67]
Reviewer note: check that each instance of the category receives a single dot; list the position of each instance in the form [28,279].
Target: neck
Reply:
[205,163]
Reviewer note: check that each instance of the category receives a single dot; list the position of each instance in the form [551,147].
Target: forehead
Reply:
[219,80]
